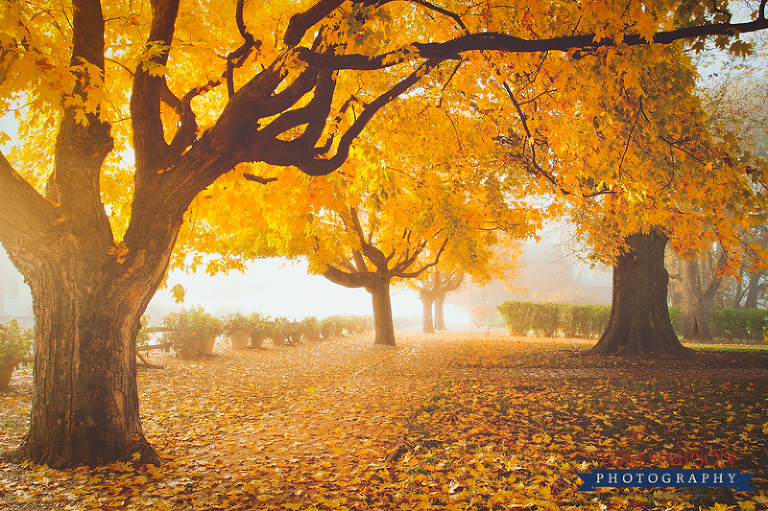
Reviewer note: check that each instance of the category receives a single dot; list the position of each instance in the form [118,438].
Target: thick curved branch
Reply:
[303,21]
[314,166]
[314,114]
[22,208]
[81,147]
[493,41]
[350,280]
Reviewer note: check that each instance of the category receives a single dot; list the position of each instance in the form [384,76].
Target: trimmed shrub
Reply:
[517,316]
[546,319]
[739,324]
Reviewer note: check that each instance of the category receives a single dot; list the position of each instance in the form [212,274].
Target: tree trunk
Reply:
[427,323]
[87,309]
[86,406]
[639,325]
[383,323]
[698,308]
[753,289]
[737,295]
[440,312]
[378,286]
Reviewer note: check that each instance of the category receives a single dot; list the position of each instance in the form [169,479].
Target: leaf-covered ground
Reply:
[451,421]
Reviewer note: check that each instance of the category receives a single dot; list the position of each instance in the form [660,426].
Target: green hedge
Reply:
[547,319]
[583,321]
[739,324]
[518,316]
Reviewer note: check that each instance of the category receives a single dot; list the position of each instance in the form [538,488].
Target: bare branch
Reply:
[442,11]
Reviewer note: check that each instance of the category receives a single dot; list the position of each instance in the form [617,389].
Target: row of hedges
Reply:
[582,321]
[547,319]
[739,324]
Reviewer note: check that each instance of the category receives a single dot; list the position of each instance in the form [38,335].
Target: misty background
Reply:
[549,270]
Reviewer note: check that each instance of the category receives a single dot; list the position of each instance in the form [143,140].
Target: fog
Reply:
[275,287]
[278,287]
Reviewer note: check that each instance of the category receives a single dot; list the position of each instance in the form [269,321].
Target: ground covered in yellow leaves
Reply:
[451,421]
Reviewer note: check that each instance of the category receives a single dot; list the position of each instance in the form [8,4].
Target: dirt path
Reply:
[294,417]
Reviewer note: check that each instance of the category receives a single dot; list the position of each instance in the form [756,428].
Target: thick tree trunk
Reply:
[383,323]
[639,325]
[440,312]
[86,408]
[426,315]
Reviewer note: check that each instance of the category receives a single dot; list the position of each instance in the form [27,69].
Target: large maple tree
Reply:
[646,170]
[194,89]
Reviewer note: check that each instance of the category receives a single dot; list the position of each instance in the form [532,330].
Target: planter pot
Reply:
[188,350]
[206,345]
[240,340]
[6,370]
[278,339]
[257,339]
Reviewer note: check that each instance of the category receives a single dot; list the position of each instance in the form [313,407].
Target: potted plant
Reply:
[311,328]
[326,328]
[238,328]
[15,345]
[192,332]
[260,329]
[278,331]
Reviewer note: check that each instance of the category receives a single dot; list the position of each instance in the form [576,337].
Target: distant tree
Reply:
[432,286]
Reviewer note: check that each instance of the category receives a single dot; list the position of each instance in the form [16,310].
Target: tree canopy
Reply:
[128,110]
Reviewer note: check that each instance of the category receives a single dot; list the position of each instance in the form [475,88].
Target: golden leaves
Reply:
[489,431]
[119,252]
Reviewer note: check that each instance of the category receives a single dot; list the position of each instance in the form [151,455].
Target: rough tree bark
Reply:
[753,290]
[383,323]
[639,325]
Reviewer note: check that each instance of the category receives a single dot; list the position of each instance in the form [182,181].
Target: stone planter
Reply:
[257,339]
[206,345]
[278,339]
[239,340]
[6,371]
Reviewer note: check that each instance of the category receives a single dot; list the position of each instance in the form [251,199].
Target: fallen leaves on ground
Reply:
[451,421]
